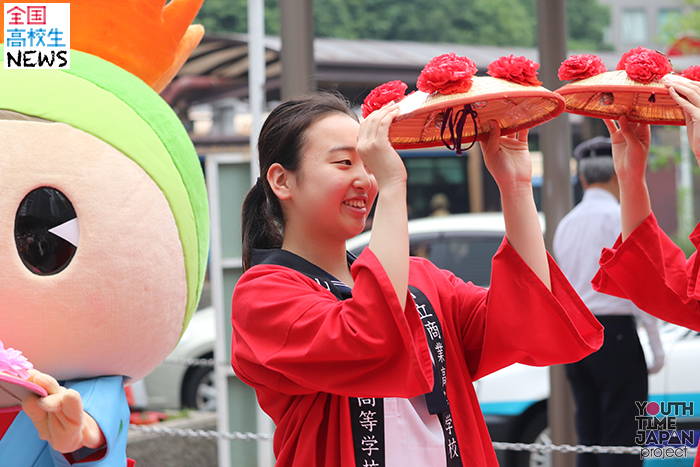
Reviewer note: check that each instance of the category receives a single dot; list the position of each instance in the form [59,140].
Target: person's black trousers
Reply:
[606,386]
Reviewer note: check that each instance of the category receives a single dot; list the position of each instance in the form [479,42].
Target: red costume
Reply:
[652,271]
[305,352]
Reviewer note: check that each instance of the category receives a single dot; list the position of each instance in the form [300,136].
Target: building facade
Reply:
[635,23]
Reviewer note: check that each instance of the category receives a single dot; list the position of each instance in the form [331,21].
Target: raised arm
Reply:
[630,148]
[508,160]
[389,239]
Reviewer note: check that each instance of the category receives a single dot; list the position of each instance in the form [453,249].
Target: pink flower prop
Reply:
[645,65]
[692,72]
[519,70]
[580,67]
[383,95]
[14,363]
[447,74]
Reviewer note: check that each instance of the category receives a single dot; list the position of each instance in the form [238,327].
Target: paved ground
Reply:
[159,450]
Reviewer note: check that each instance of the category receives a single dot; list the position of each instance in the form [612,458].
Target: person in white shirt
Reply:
[607,383]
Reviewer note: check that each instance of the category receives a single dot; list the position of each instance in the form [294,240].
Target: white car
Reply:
[175,384]
[462,243]
[513,400]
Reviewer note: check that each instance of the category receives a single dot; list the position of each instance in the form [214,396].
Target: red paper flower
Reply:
[519,70]
[692,72]
[625,56]
[647,65]
[447,74]
[580,67]
[383,95]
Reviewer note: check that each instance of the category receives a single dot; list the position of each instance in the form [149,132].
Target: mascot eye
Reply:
[46,231]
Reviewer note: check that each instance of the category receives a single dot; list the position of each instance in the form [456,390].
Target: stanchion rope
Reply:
[534,447]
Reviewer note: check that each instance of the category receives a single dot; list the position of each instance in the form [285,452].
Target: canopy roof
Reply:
[218,67]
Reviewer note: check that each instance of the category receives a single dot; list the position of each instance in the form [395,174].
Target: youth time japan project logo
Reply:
[657,429]
[37,35]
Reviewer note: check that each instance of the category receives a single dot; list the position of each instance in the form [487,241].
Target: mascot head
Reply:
[103,220]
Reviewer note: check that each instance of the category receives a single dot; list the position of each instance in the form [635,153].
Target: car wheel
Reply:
[535,432]
[198,391]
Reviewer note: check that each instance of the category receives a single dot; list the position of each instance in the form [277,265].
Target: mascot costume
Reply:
[104,231]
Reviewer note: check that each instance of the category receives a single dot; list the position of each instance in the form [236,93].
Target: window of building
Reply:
[634,26]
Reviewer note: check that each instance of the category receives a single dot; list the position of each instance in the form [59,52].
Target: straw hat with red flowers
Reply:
[634,89]
[453,105]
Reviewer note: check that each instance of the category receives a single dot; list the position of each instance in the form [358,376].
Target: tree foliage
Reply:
[679,24]
[587,21]
[486,22]
[221,16]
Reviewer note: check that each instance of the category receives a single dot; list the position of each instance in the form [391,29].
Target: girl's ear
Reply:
[278,177]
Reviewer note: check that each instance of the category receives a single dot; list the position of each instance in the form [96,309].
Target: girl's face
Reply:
[332,192]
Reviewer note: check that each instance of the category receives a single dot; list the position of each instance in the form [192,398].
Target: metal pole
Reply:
[555,143]
[216,279]
[297,34]
[256,78]
[685,188]
[256,100]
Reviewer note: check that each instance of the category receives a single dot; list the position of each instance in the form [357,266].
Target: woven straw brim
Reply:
[613,94]
[515,107]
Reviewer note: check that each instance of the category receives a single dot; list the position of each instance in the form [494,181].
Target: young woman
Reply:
[644,265]
[370,361]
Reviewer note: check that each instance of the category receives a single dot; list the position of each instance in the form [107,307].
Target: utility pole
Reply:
[297,35]
[555,142]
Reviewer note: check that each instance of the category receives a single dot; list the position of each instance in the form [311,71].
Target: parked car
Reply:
[175,384]
[513,400]
[461,243]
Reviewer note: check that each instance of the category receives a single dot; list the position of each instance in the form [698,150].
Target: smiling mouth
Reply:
[356,203]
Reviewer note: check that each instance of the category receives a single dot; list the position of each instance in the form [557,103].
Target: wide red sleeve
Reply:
[652,271]
[292,335]
[520,321]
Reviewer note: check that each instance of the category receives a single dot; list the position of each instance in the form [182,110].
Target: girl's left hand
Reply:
[507,158]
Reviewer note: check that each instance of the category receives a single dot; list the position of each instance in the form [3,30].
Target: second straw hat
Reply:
[633,89]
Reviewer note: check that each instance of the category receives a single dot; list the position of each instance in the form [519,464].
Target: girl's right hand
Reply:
[375,149]
[630,148]
[691,106]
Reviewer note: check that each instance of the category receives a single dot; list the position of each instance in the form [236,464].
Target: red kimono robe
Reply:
[305,352]
[649,269]
[652,271]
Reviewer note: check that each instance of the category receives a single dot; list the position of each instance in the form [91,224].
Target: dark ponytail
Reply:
[281,140]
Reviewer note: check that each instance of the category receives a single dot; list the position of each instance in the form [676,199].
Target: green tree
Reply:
[677,24]
[586,21]
[222,16]
[495,22]
[487,22]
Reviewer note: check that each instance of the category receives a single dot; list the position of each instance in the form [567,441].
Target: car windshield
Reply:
[467,256]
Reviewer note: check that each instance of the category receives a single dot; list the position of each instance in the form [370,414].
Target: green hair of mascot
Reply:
[101,99]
